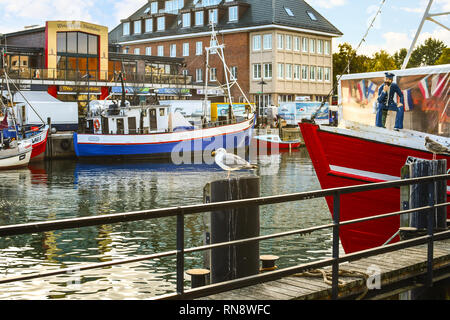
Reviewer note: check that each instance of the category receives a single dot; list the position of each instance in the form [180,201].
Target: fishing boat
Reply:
[357,152]
[35,134]
[116,129]
[274,142]
[13,153]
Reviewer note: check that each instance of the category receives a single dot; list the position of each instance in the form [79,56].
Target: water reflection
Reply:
[68,189]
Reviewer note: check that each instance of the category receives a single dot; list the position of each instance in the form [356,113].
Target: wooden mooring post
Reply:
[422,223]
[237,261]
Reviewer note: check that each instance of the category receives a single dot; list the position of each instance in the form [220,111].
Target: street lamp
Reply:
[261,106]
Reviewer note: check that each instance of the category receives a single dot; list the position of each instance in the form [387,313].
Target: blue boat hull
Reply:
[162,149]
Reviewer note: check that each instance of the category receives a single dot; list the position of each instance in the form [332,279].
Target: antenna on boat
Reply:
[231,80]
[426,16]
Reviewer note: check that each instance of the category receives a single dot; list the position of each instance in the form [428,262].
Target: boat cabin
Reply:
[106,117]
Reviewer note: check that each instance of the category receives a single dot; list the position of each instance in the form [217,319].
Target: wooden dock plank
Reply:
[394,266]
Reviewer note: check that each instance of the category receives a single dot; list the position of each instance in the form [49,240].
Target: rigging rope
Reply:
[350,60]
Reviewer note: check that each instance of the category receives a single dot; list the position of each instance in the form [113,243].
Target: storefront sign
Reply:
[173,91]
[79,89]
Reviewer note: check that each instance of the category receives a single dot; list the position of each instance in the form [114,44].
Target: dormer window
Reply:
[161,24]
[126,28]
[233,13]
[199,18]
[186,20]
[137,27]
[213,16]
[154,7]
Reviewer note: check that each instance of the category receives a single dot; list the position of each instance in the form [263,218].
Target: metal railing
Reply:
[181,251]
[37,75]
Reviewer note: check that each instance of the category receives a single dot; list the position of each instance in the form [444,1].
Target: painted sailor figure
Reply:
[386,102]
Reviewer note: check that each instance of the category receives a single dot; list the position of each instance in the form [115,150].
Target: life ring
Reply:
[96,124]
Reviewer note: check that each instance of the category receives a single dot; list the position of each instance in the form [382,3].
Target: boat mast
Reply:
[427,16]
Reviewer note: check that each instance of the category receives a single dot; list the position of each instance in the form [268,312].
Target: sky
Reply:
[394,28]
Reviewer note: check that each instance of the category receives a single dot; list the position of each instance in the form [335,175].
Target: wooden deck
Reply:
[394,267]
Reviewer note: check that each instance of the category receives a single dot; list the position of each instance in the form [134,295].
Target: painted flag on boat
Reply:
[362,90]
[423,86]
[408,100]
[371,89]
[438,83]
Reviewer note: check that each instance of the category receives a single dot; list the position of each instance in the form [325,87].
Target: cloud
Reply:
[327,4]
[125,8]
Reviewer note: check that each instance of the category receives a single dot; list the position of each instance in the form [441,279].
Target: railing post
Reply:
[180,253]
[430,229]
[335,268]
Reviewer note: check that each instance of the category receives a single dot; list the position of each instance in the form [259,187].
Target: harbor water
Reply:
[69,189]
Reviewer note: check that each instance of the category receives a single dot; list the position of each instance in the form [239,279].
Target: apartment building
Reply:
[277,49]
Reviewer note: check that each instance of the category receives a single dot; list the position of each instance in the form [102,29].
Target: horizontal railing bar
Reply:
[86,267]
[396,213]
[274,275]
[207,247]
[199,208]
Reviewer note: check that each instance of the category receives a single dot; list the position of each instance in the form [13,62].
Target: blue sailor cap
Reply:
[389,75]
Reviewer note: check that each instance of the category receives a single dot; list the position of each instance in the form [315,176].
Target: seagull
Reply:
[435,148]
[230,162]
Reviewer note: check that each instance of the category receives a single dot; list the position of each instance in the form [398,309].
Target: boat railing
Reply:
[181,251]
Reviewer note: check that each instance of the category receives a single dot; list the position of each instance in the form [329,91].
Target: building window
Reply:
[320,46]
[161,51]
[280,41]
[199,75]
[305,44]
[148,51]
[304,72]
[213,74]
[137,27]
[173,50]
[213,16]
[234,70]
[186,49]
[199,18]
[137,51]
[327,74]
[148,25]
[198,48]
[256,42]
[154,7]
[267,70]
[296,44]
[288,42]
[256,71]
[233,13]
[297,72]
[267,41]
[312,15]
[126,28]
[319,73]
[186,20]
[185,72]
[289,11]
[288,71]
[312,45]
[161,24]
[281,71]
[312,73]
[327,47]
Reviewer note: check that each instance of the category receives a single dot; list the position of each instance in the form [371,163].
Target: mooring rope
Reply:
[326,275]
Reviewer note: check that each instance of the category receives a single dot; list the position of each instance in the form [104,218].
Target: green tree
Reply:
[445,57]
[399,57]
[382,61]
[348,61]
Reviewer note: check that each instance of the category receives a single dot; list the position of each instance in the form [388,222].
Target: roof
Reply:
[257,13]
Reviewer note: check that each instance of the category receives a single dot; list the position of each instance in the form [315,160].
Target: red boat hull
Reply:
[39,144]
[331,149]
[271,145]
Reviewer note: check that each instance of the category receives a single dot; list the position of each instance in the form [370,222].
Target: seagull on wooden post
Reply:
[435,147]
[231,162]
